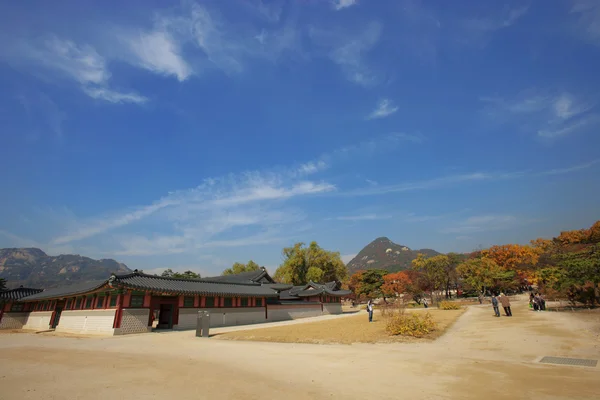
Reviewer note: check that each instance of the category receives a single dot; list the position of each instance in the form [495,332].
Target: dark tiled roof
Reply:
[65,291]
[313,289]
[279,286]
[17,294]
[188,286]
[259,276]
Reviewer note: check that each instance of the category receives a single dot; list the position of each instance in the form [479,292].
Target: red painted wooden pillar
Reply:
[196,301]
[222,302]
[147,298]
[126,300]
[118,312]
[202,302]
[181,301]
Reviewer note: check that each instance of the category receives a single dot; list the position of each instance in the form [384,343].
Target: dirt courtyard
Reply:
[479,357]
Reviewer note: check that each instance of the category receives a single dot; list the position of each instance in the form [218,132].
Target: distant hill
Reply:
[32,267]
[382,253]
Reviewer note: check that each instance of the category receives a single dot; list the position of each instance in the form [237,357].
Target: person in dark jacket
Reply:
[505,304]
[370,310]
[495,305]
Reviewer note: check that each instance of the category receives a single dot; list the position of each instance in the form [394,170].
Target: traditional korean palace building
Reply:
[137,303]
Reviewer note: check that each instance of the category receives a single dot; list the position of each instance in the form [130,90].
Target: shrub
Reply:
[449,305]
[411,324]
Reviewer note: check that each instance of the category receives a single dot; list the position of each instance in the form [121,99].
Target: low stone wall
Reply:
[284,312]
[13,320]
[38,320]
[221,316]
[332,308]
[87,321]
[135,320]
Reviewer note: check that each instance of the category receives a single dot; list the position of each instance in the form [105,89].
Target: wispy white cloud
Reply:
[461,179]
[159,52]
[550,116]
[341,4]
[80,63]
[251,203]
[363,217]
[483,223]
[113,96]
[349,51]
[493,23]
[588,19]
[384,108]
[312,167]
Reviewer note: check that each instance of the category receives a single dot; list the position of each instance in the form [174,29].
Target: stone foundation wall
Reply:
[87,322]
[221,316]
[284,312]
[135,320]
[332,308]
[13,320]
[38,320]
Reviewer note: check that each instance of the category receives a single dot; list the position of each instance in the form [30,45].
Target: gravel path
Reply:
[479,357]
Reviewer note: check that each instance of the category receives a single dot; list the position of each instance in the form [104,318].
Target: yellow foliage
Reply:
[511,256]
[449,305]
[411,324]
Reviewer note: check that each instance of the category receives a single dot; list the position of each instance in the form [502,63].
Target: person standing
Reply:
[542,303]
[537,303]
[425,304]
[495,305]
[370,310]
[505,304]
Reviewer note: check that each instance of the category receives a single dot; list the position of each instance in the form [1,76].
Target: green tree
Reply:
[314,274]
[581,267]
[238,268]
[433,272]
[480,273]
[180,275]
[302,264]
[371,282]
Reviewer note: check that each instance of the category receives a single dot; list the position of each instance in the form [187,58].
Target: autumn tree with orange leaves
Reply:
[512,256]
[395,284]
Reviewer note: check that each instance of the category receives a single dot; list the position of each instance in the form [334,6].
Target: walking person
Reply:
[505,304]
[370,310]
[537,302]
[531,298]
[425,304]
[542,303]
[495,305]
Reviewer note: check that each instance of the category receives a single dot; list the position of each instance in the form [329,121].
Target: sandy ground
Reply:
[479,357]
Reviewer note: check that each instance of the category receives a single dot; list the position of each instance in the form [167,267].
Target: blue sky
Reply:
[196,134]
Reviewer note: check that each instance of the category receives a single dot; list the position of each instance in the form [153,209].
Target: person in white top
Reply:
[370,310]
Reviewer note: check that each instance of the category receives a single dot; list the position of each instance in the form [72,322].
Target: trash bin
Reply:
[203,324]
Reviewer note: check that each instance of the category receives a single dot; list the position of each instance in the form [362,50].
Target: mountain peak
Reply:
[34,268]
[382,253]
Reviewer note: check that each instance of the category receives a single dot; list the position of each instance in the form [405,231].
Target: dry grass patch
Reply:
[348,330]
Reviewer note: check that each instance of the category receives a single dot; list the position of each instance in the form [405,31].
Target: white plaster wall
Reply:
[87,321]
[332,308]
[135,320]
[11,320]
[282,313]
[221,316]
[38,320]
